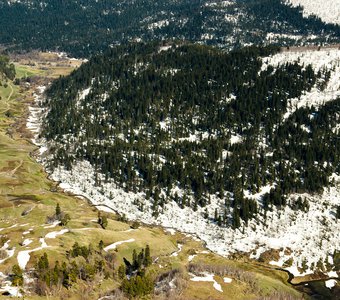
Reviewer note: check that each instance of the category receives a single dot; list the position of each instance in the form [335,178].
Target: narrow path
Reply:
[11,94]
[6,102]
[16,168]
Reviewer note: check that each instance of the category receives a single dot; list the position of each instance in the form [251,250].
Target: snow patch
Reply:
[54,224]
[54,234]
[191,257]
[114,245]
[330,283]
[177,252]
[26,242]
[235,139]
[227,280]
[309,238]
[170,230]
[13,291]
[24,256]
[208,278]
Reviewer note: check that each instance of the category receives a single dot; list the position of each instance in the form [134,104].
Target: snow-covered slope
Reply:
[305,239]
[321,60]
[310,238]
[327,10]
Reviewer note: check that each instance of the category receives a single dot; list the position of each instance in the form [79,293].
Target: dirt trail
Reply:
[8,99]
[16,168]
[11,94]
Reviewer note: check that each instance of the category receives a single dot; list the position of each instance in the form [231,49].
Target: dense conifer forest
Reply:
[157,118]
[84,27]
[7,69]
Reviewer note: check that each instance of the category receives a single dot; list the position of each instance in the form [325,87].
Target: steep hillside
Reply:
[240,148]
[84,27]
[53,247]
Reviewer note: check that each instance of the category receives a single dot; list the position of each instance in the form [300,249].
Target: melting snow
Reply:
[333,274]
[27,242]
[191,257]
[13,291]
[330,283]
[179,250]
[227,280]
[208,278]
[235,139]
[9,252]
[84,93]
[170,230]
[309,235]
[294,270]
[24,256]
[54,234]
[54,224]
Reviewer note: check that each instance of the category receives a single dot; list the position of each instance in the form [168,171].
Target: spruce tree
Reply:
[57,210]
[147,256]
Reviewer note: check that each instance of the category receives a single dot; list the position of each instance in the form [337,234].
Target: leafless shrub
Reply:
[41,288]
[3,254]
[170,284]
[279,296]
[59,292]
[86,290]
[3,240]
[110,259]
[115,295]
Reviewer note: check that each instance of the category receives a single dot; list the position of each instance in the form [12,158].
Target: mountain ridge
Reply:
[85,27]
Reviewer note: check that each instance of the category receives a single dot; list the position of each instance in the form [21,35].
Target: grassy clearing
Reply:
[23,71]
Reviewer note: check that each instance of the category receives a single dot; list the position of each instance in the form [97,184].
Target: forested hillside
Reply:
[240,148]
[84,27]
[182,123]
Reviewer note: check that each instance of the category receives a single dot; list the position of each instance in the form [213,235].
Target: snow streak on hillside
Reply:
[323,59]
[327,10]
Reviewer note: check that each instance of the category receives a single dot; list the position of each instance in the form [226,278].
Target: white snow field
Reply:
[327,10]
